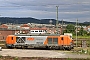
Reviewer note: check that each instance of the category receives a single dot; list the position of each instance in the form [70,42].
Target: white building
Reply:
[37,31]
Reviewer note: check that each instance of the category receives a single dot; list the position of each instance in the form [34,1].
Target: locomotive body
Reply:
[46,41]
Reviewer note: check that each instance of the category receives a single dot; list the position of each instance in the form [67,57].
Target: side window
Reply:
[62,38]
[49,40]
[40,31]
[36,31]
[32,31]
[55,40]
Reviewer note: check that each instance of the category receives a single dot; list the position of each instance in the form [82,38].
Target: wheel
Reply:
[69,48]
[10,46]
[25,47]
[57,47]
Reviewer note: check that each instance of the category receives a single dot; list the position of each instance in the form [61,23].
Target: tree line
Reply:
[70,28]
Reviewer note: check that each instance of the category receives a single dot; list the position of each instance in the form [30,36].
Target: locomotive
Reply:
[44,41]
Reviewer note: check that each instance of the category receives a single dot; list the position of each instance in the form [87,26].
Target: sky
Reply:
[68,10]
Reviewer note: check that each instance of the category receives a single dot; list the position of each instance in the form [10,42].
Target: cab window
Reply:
[62,38]
[12,38]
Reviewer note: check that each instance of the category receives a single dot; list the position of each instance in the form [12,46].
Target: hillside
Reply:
[23,20]
[18,20]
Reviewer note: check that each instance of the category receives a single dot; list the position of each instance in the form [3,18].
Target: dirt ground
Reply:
[41,53]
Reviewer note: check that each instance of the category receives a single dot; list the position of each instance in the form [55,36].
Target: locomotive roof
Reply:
[37,34]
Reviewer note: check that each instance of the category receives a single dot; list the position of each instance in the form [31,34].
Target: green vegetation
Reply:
[41,58]
[81,50]
[82,32]
[1,56]
[82,35]
[2,42]
[70,28]
[69,59]
[16,58]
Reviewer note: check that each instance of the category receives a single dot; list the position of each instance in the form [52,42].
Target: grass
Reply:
[1,56]
[16,58]
[81,50]
[41,58]
[88,50]
[2,42]
[69,59]
[81,39]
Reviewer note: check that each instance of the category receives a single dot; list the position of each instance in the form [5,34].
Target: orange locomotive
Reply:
[51,42]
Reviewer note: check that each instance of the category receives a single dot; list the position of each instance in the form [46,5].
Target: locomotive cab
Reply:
[60,42]
[10,41]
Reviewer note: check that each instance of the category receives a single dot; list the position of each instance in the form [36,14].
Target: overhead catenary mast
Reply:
[76,31]
[57,18]
[62,27]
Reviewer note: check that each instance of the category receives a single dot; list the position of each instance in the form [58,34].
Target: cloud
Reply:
[69,10]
